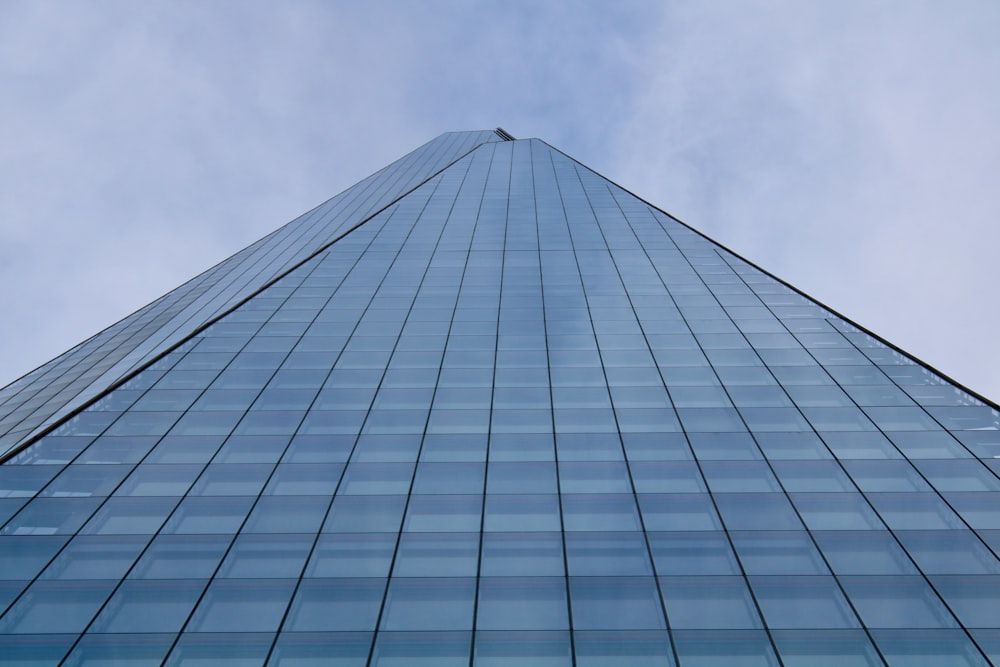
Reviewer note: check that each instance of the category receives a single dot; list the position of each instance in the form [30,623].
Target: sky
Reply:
[850,148]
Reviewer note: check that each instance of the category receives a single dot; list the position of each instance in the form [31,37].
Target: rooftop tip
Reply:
[506,136]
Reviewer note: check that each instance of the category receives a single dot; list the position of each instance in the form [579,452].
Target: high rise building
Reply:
[486,407]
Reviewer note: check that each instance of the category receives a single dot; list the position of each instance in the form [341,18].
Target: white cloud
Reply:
[847,147]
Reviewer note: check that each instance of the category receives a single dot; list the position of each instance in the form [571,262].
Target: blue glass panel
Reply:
[926,647]
[429,604]
[226,650]
[615,603]
[522,648]
[149,606]
[949,552]
[636,647]
[96,557]
[421,649]
[973,598]
[20,650]
[607,554]
[863,552]
[778,552]
[522,513]
[600,512]
[522,554]
[56,607]
[534,603]
[358,514]
[133,650]
[441,513]
[437,555]
[181,556]
[897,602]
[687,511]
[26,555]
[802,602]
[826,648]
[266,556]
[315,649]
[352,555]
[708,602]
[335,604]
[242,605]
[757,511]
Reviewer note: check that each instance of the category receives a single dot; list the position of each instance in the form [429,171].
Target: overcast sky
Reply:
[851,147]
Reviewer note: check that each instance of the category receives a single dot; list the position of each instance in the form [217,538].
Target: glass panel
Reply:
[973,598]
[813,476]
[615,603]
[778,552]
[635,648]
[103,557]
[802,602]
[242,605]
[429,604]
[522,554]
[149,606]
[437,555]
[181,556]
[21,650]
[266,556]
[335,604]
[527,649]
[863,552]
[600,512]
[825,648]
[742,648]
[26,555]
[365,514]
[132,650]
[678,512]
[897,602]
[692,553]
[836,511]
[535,603]
[607,554]
[56,607]
[226,650]
[949,552]
[352,555]
[708,602]
[287,514]
[757,511]
[421,649]
[317,649]
[124,516]
[920,648]
[438,514]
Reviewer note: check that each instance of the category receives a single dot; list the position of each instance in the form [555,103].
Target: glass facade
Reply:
[501,412]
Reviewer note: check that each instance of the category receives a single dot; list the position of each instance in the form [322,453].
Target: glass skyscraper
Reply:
[486,407]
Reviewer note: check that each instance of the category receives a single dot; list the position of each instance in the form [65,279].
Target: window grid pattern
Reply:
[55,389]
[517,417]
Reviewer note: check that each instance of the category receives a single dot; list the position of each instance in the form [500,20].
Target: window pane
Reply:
[615,603]
[335,604]
[535,603]
[242,605]
[437,555]
[708,602]
[803,602]
[429,604]
[149,606]
[522,554]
